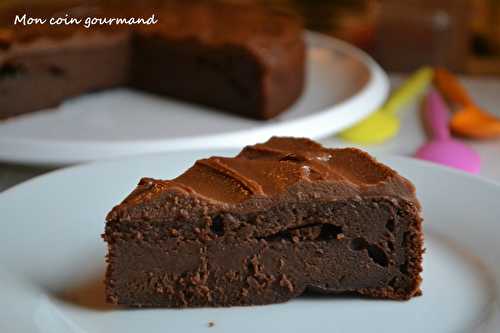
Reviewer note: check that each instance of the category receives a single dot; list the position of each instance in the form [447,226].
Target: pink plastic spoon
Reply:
[442,148]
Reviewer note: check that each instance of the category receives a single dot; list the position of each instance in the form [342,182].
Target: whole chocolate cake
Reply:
[281,218]
[243,59]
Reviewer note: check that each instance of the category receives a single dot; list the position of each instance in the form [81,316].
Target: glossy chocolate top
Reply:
[280,169]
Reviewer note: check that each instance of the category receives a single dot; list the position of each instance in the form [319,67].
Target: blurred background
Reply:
[402,35]
[462,35]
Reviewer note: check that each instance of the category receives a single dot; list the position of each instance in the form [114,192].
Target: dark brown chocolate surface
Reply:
[243,59]
[281,218]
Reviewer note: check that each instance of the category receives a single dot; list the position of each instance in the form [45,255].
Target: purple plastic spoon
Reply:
[441,148]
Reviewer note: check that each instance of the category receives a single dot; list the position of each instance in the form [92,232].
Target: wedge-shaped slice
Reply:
[280,218]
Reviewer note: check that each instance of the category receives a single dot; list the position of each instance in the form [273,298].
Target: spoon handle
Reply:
[410,89]
[437,116]
[449,85]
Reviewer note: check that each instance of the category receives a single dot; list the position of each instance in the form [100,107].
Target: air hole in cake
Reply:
[375,252]
[253,266]
[329,231]
[358,244]
[56,71]
[378,255]
[404,268]
[298,216]
[217,225]
[10,70]
[390,225]
[250,267]
[393,282]
[308,232]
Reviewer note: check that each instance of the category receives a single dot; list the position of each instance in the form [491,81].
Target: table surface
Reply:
[486,91]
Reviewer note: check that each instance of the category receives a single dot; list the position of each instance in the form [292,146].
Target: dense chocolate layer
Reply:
[243,59]
[280,218]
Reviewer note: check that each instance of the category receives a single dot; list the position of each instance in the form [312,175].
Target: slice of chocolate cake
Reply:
[279,219]
[243,59]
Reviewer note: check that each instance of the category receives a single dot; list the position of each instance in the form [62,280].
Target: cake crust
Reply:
[281,218]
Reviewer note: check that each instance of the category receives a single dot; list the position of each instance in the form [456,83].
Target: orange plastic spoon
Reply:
[469,120]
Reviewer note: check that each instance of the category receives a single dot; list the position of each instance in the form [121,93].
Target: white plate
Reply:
[343,86]
[52,260]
